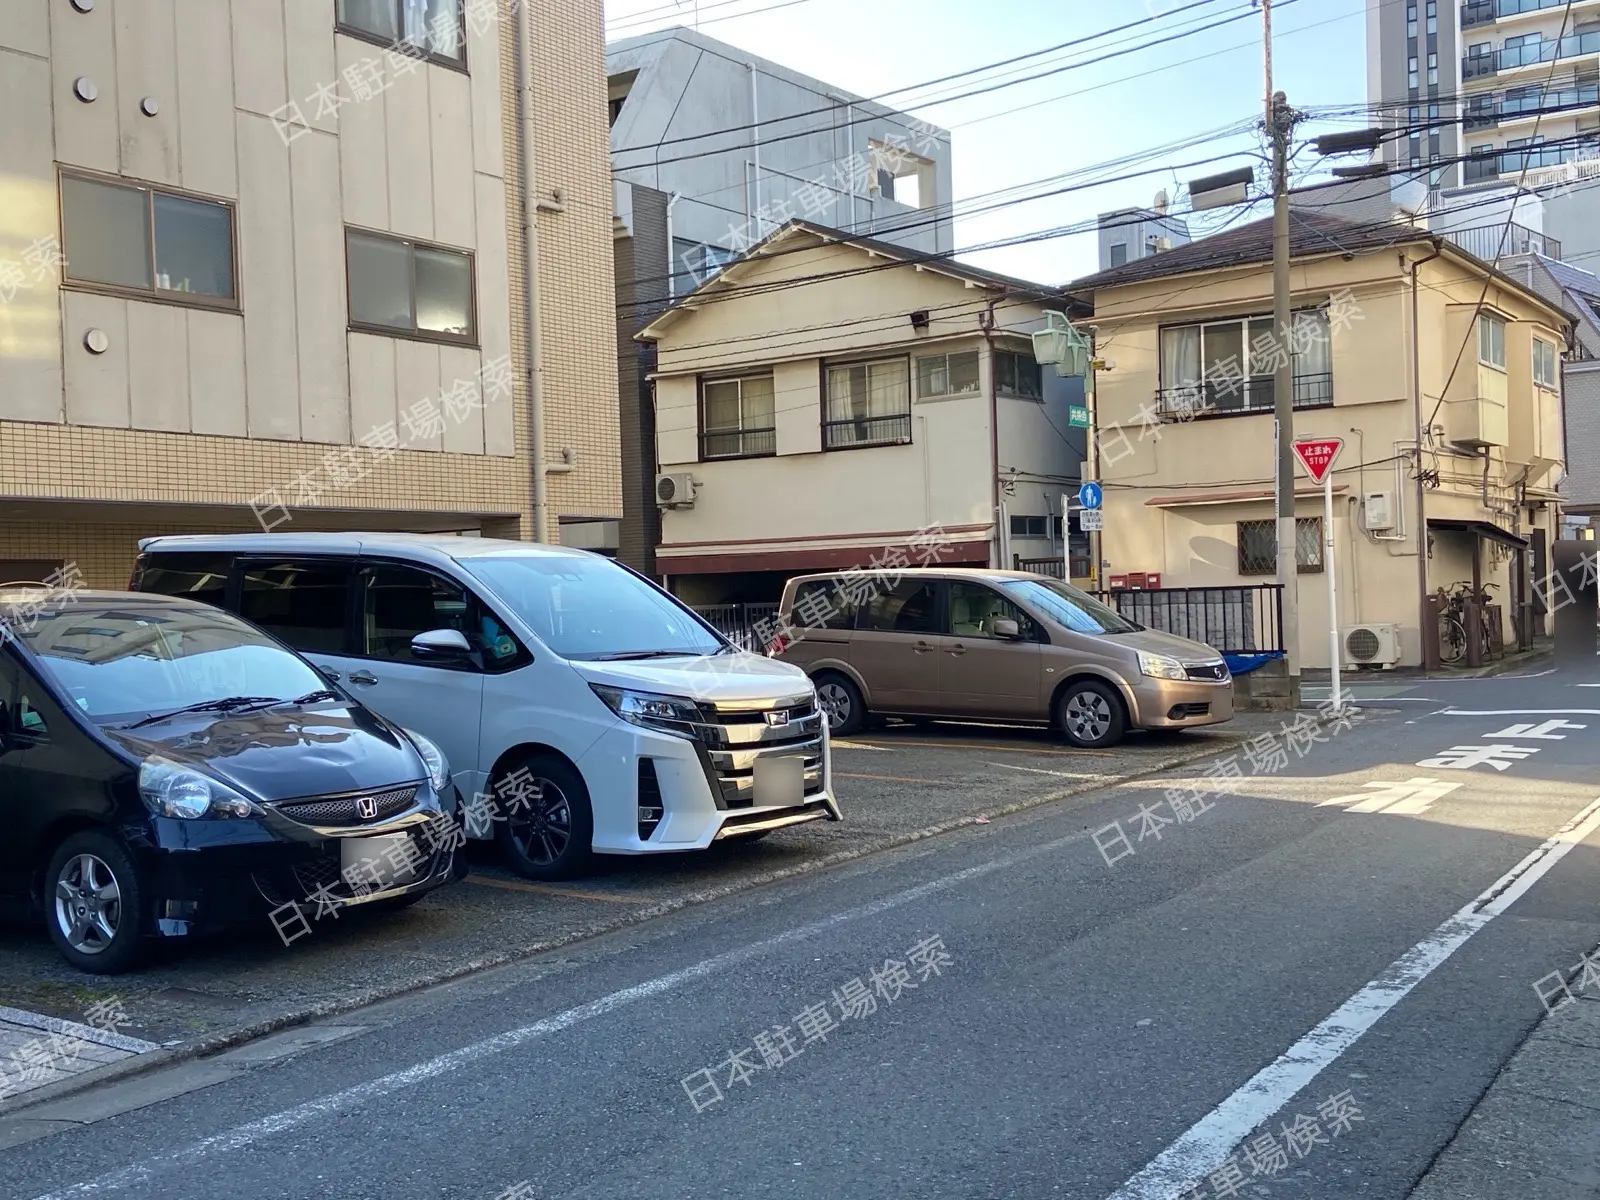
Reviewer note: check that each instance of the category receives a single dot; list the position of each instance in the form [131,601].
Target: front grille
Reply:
[345,810]
[1210,672]
[1179,712]
[319,879]
[733,738]
[650,807]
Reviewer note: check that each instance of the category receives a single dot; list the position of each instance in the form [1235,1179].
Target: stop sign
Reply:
[1316,455]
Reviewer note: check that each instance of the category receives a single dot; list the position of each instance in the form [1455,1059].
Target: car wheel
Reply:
[93,899]
[548,830]
[1090,714]
[842,704]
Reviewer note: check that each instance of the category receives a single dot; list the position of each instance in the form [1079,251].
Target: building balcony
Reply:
[1256,394]
[1491,241]
[1491,112]
[1531,54]
[1538,166]
[1486,12]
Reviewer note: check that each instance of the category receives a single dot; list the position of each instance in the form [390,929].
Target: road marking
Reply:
[1521,712]
[888,778]
[1042,771]
[512,885]
[991,748]
[241,1137]
[1498,755]
[1210,1141]
[1543,731]
[1408,799]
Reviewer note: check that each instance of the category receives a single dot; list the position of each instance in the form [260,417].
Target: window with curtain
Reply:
[399,287]
[140,239]
[429,28]
[1492,341]
[1231,366]
[737,418]
[868,404]
[947,374]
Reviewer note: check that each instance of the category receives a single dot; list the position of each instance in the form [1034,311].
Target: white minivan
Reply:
[581,706]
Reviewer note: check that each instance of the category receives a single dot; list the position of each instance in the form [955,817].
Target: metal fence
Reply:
[737,622]
[1052,566]
[1231,620]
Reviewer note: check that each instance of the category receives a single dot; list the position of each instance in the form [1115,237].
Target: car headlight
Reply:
[671,714]
[433,758]
[1159,666]
[174,790]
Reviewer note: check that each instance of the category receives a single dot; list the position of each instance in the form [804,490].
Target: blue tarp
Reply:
[1242,664]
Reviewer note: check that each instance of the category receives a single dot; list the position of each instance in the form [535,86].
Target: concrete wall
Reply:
[641,265]
[1176,491]
[1581,488]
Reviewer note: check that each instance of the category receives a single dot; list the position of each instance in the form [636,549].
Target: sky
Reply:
[1155,96]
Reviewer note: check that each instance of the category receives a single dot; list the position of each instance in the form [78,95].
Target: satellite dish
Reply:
[1161,202]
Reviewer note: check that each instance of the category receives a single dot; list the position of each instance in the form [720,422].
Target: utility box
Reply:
[1377,510]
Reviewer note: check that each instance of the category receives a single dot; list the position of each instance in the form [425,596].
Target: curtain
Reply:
[1180,356]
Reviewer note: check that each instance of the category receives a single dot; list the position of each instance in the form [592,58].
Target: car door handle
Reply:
[329,674]
[958,649]
[363,677]
[922,647]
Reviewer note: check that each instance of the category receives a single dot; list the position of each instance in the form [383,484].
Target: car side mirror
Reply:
[441,646]
[1007,629]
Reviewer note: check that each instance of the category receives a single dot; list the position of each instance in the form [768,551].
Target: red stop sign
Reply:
[1316,455]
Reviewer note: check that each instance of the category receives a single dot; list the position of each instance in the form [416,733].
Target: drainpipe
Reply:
[672,254]
[530,253]
[755,145]
[1423,631]
[986,323]
[850,141]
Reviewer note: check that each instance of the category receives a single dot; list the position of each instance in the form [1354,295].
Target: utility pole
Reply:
[1280,122]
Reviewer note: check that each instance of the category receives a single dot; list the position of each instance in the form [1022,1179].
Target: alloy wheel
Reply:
[1088,716]
[88,904]
[835,702]
[544,834]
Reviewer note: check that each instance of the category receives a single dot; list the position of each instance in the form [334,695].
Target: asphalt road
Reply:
[1099,1023]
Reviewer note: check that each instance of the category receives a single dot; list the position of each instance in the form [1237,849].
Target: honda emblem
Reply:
[366,807]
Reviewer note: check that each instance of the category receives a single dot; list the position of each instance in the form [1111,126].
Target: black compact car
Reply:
[167,770]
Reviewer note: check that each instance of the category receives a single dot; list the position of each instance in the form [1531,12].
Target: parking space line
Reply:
[513,885]
[1042,771]
[988,746]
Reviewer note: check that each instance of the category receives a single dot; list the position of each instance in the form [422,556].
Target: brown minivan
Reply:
[993,645]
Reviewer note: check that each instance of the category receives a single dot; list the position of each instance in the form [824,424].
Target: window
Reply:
[406,288]
[1069,607]
[1492,341]
[947,374]
[1411,72]
[1544,364]
[1433,16]
[1017,375]
[1230,366]
[18,715]
[137,239]
[302,603]
[398,603]
[823,604]
[1034,527]
[1119,253]
[868,404]
[912,606]
[974,609]
[696,262]
[1258,546]
[427,28]
[736,418]
[1433,68]
[1411,20]
[202,577]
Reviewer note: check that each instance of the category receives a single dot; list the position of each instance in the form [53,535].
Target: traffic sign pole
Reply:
[1317,456]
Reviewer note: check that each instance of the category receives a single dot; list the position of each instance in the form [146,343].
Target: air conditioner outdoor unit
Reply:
[675,491]
[1371,645]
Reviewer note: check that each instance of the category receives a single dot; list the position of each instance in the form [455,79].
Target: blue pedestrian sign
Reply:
[1089,495]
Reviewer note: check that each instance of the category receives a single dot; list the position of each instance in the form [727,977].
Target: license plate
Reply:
[780,780]
[372,862]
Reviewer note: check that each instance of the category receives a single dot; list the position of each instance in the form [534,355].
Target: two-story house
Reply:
[1439,373]
[268,264]
[828,398]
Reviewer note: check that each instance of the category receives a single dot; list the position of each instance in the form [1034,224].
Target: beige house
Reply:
[262,265]
[1441,376]
[828,398]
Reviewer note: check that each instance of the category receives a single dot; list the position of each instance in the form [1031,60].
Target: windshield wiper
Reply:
[226,704]
[622,655]
[313,697]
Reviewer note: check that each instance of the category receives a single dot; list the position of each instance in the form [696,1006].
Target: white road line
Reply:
[1519,712]
[243,1136]
[1042,771]
[1207,1145]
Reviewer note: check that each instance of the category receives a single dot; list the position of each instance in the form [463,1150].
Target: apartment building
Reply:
[1497,91]
[1439,373]
[262,266]
[1130,233]
[713,149]
[901,412]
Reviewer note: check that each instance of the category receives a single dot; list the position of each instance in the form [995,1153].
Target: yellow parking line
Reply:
[514,886]
[989,746]
[886,778]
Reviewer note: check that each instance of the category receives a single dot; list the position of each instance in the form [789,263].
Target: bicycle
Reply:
[1453,626]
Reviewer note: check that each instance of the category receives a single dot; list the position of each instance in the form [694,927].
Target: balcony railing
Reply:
[738,443]
[1508,108]
[1491,241]
[1255,394]
[866,431]
[1475,66]
[1527,158]
[1482,12]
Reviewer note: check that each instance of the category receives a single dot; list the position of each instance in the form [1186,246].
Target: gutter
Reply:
[986,323]
[1416,418]
[530,253]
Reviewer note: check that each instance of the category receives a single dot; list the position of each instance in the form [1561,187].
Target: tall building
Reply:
[1494,92]
[713,149]
[262,266]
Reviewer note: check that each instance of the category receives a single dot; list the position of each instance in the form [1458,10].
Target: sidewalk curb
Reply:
[216,1044]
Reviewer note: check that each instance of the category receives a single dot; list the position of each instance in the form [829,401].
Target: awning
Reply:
[1487,530]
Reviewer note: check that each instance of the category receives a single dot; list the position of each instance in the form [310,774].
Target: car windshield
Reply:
[127,662]
[590,608]
[1067,606]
